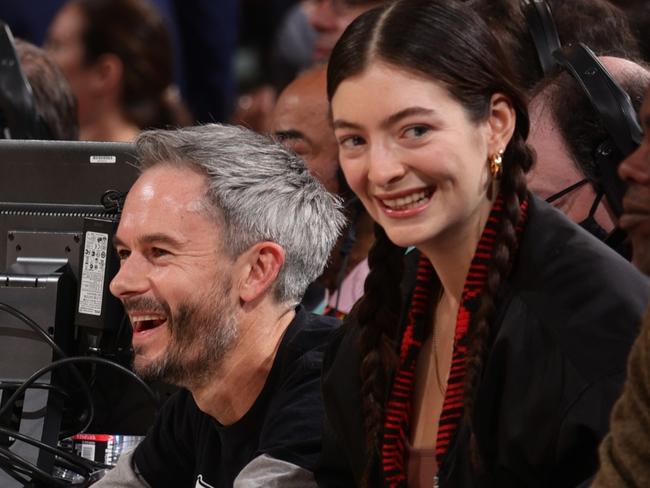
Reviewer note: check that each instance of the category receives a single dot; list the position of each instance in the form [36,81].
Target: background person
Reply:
[218,240]
[53,99]
[301,121]
[116,54]
[566,132]
[507,317]
[599,24]
[625,452]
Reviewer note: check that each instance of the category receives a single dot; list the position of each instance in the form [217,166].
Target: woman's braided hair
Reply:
[377,314]
[443,41]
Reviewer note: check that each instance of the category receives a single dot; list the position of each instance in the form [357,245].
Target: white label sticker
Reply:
[88,450]
[92,273]
[103,159]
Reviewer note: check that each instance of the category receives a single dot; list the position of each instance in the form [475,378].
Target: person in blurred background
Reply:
[598,23]
[566,133]
[328,18]
[301,122]
[54,102]
[117,57]
[625,452]
[331,17]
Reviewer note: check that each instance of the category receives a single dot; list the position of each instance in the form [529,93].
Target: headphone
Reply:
[541,26]
[20,120]
[610,102]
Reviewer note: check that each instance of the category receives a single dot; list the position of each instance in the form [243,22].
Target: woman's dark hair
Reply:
[447,43]
[135,32]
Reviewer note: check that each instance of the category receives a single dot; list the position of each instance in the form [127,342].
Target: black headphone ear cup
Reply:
[607,157]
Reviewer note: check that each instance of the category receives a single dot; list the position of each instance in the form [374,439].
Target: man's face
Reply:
[635,170]
[330,18]
[301,123]
[174,280]
[556,170]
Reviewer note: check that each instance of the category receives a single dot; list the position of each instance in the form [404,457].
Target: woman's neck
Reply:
[111,126]
[451,254]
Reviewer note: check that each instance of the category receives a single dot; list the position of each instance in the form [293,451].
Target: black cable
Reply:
[46,337]
[12,385]
[24,472]
[34,471]
[17,473]
[81,359]
[87,464]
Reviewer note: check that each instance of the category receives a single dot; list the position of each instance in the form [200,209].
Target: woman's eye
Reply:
[416,131]
[350,142]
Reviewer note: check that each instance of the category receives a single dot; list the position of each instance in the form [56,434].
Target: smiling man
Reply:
[625,452]
[218,240]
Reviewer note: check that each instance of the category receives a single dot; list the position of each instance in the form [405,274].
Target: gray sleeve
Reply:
[123,475]
[266,471]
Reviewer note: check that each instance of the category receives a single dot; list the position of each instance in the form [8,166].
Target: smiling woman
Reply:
[502,319]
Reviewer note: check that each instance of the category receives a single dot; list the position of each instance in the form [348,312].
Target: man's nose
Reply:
[636,167]
[131,279]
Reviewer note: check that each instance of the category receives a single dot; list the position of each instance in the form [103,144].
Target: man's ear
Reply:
[501,122]
[259,268]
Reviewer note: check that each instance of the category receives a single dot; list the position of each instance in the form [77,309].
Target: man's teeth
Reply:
[409,201]
[146,322]
[142,318]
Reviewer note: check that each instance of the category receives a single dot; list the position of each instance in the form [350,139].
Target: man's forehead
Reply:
[165,193]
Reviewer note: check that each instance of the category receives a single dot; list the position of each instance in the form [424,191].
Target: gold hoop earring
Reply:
[496,165]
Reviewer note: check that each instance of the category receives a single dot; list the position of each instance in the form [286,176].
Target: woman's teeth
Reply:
[410,201]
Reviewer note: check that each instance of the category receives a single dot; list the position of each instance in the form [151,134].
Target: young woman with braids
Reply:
[491,354]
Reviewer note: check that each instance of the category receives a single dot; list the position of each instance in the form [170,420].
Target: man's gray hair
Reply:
[260,191]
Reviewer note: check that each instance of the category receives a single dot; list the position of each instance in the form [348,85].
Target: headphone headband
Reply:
[610,101]
[543,31]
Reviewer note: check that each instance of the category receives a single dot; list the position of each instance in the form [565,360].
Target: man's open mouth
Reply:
[142,323]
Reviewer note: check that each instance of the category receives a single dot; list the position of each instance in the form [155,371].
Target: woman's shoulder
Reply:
[563,262]
[574,294]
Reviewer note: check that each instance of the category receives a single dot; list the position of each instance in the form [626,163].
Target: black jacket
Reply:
[566,318]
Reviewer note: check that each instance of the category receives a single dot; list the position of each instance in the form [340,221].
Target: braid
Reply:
[377,316]
[518,160]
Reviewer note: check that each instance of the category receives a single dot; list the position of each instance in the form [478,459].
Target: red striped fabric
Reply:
[398,409]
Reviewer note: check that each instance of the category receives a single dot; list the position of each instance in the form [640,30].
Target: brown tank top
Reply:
[422,468]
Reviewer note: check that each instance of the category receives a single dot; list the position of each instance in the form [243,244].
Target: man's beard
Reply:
[201,334]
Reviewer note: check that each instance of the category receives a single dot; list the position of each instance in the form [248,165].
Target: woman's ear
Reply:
[501,122]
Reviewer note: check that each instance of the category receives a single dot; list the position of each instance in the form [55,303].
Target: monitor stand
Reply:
[43,290]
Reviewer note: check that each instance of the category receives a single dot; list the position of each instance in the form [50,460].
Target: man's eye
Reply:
[157,252]
[122,254]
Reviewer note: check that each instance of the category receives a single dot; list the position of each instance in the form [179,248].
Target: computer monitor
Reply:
[59,206]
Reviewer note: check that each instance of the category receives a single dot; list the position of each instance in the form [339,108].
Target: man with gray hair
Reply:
[218,240]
